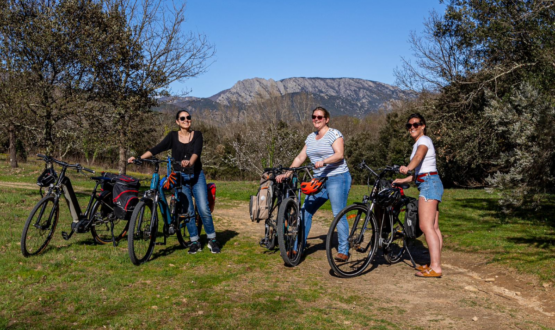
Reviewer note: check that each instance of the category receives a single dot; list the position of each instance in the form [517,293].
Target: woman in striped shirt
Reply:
[325,149]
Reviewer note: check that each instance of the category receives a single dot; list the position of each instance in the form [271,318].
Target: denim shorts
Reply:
[431,188]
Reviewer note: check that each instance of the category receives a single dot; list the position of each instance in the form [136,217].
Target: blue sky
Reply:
[303,38]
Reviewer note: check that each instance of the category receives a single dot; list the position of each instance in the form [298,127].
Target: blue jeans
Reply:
[195,185]
[336,189]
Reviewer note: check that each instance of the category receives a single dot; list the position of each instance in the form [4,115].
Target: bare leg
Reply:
[428,215]
[436,228]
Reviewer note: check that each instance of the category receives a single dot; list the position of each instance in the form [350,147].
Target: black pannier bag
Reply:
[412,223]
[107,189]
[125,196]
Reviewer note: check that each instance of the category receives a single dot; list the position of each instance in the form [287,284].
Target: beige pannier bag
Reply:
[261,204]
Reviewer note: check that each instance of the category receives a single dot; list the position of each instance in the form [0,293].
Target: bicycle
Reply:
[373,223]
[39,229]
[143,225]
[290,225]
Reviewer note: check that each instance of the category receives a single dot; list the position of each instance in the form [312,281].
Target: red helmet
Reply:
[313,186]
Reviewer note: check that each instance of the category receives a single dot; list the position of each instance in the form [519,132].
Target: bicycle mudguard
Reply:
[71,199]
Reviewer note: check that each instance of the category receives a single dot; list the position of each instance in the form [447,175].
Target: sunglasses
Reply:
[317,117]
[415,125]
[183,118]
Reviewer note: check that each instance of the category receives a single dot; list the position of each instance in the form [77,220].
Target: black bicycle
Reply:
[374,223]
[98,218]
[290,224]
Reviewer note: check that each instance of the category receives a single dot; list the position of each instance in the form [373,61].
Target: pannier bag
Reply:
[412,224]
[107,189]
[125,196]
[261,204]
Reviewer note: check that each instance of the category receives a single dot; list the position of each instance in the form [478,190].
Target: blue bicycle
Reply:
[143,225]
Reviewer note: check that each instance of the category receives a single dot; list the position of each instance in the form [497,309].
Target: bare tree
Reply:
[159,51]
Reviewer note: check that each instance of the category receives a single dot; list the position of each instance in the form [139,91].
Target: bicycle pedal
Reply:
[65,235]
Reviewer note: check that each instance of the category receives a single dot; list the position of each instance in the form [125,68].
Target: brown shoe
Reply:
[341,257]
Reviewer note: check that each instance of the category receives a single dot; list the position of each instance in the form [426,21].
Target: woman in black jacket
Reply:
[186,147]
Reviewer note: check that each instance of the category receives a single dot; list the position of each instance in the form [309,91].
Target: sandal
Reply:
[428,273]
[423,267]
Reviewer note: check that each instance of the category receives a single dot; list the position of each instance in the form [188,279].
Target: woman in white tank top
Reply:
[423,162]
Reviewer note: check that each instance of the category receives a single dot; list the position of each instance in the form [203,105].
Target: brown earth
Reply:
[473,294]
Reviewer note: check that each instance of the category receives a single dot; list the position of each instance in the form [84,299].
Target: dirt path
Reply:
[472,294]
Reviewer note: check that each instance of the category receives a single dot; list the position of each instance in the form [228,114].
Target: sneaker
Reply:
[214,246]
[194,247]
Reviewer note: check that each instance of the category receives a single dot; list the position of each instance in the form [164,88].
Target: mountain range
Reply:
[341,96]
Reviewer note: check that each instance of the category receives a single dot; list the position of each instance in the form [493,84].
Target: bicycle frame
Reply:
[63,186]
[392,212]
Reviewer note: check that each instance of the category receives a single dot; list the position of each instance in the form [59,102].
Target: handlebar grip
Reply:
[88,170]
[138,161]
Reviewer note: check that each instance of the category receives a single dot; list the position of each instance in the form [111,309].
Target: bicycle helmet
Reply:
[168,182]
[47,177]
[388,196]
[313,186]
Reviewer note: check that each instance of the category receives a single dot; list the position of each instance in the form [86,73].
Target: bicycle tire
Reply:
[270,234]
[101,226]
[141,240]
[290,232]
[43,235]
[180,233]
[361,249]
[394,251]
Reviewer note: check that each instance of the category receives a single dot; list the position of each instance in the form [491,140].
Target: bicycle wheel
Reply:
[361,242]
[142,232]
[182,228]
[270,233]
[290,232]
[393,252]
[40,226]
[101,228]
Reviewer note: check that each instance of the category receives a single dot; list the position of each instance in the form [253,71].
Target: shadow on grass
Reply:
[491,206]
[223,237]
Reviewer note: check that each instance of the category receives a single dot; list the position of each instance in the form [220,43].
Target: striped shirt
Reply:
[318,150]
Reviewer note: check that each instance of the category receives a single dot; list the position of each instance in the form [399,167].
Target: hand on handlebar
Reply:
[185,163]
[282,177]
[130,160]
[404,170]
[319,164]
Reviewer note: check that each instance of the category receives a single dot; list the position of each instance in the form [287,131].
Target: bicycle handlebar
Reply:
[77,166]
[393,169]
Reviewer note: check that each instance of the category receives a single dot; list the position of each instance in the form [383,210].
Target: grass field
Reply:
[77,284]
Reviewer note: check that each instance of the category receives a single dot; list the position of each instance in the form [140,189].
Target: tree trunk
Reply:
[13,154]
[122,163]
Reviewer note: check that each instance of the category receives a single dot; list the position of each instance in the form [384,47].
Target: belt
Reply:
[423,175]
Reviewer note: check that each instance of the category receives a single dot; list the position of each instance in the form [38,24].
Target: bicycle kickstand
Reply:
[410,255]
[113,237]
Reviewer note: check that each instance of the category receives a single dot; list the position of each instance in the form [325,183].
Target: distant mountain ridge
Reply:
[348,96]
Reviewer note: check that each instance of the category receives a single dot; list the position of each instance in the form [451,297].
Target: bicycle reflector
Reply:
[314,186]
[47,177]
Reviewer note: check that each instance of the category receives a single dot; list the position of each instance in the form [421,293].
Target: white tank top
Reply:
[428,164]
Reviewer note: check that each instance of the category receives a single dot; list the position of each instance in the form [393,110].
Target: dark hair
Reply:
[326,113]
[420,117]
[180,111]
